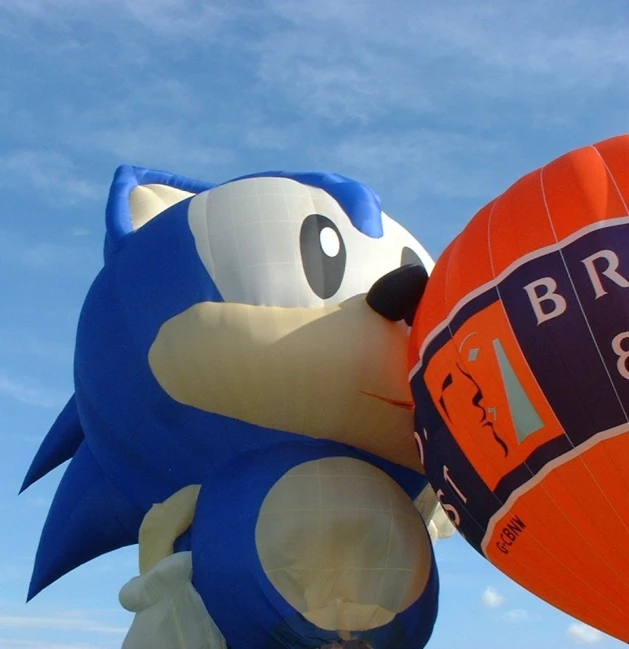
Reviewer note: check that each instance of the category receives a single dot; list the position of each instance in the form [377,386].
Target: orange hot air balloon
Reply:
[520,373]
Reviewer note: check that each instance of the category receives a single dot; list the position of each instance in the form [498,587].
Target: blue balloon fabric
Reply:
[226,344]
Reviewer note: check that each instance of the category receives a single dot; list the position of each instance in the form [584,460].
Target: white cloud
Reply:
[165,18]
[492,598]
[584,634]
[173,147]
[517,615]
[359,60]
[51,175]
[421,160]
[65,624]
[13,643]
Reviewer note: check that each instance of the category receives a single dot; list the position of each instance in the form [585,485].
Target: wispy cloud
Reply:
[13,643]
[167,18]
[30,394]
[54,176]
[65,624]
[178,148]
[420,160]
[517,615]
[328,64]
[41,255]
[584,634]
[492,598]
[364,59]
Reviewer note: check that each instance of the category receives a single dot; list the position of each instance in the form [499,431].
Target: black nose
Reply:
[396,295]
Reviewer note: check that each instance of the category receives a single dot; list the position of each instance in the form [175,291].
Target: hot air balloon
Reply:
[520,373]
[244,415]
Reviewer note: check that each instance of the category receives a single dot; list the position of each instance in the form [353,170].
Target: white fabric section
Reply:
[343,544]
[247,236]
[435,517]
[147,201]
[169,613]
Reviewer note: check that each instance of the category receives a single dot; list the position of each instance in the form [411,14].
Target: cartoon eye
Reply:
[323,255]
[409,256]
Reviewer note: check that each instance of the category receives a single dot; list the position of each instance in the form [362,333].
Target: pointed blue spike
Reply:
[59,445]
[88,517]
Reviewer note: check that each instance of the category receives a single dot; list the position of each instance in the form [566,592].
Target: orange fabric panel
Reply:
[541,491]
[579,191]
[475,427]
[572,552]
[615,154]
[519,224]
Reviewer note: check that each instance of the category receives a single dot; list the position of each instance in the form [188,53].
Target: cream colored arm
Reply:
[164,523]
[435,518]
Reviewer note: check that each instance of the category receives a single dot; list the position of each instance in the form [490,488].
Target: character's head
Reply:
[246,302]
[232,318]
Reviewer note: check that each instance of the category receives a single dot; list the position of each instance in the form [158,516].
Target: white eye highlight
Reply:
[330,242]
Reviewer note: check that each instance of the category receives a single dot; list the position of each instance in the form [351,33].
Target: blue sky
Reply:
[437,105]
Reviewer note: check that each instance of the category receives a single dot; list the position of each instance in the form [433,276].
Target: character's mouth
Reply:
[406,405]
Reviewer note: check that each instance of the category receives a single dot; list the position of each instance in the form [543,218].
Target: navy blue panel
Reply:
[560,352]
[608,314]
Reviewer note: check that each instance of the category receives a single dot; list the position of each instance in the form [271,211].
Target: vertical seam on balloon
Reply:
[319,526]
[386,562]
[609,456]
[583,461]
[504,508]
[574,289]
[253,368]
[624,203]
[613,179]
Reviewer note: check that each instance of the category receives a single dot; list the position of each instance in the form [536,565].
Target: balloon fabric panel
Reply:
[522,383]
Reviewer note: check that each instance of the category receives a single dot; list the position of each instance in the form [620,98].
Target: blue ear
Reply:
[126,179]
